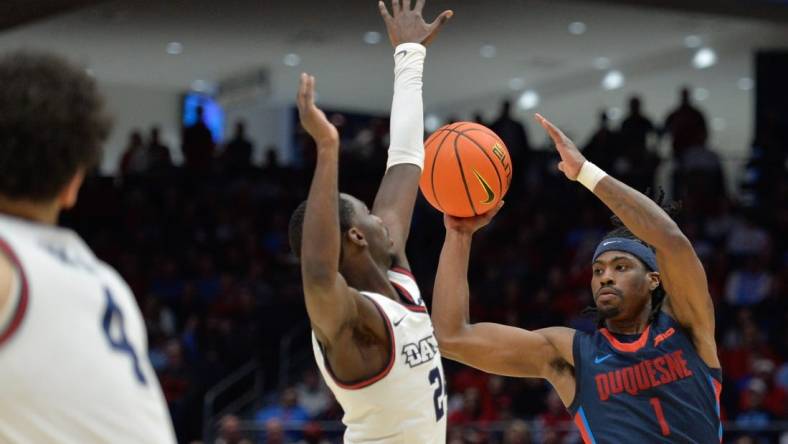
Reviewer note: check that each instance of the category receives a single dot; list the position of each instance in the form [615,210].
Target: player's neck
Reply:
[364,274]
[45,213]
[627,326]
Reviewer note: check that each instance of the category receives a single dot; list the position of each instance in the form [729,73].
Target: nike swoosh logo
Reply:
[396,323]
[599,360]
[404,52]
[608,243]
[487,189]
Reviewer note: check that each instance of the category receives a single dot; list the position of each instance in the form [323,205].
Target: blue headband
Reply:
[630,246]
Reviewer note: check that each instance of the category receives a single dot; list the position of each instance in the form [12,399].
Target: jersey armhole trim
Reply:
[20,299]
[578,362]
[356,385]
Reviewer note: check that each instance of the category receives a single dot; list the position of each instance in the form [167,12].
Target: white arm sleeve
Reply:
[407,108]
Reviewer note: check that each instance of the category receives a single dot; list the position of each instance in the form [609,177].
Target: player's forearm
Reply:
[321,240]
[641,215]
[450,295]
[407,107]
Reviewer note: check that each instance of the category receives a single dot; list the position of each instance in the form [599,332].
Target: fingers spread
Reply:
[442,19]
[396,8]
[419,6]
[383,11]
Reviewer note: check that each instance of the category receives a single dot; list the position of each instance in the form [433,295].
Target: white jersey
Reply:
[74,366]
[406,402]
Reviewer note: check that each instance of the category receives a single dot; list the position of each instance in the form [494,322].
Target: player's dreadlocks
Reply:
[620,230]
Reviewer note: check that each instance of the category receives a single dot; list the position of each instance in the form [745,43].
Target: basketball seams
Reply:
[449,130]
[481,148]
[462,175]
[434,163]
[494,136]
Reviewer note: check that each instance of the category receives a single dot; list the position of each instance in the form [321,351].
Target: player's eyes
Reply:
[597,271]
[621,268]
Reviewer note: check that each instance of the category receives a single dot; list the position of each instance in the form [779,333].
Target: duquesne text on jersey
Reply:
[642,376]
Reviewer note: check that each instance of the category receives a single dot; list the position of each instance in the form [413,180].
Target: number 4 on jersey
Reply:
[116,337]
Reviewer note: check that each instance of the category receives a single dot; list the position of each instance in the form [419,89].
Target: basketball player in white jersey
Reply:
[372,336]
[73,349]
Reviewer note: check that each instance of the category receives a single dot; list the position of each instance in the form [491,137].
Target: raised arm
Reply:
[330,303]
[681,272]
[494,348]
[409,34]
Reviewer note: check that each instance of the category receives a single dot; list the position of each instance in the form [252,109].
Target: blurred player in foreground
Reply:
[74,362]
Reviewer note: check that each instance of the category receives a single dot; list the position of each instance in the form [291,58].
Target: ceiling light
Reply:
[432,122]
[614,113]
[528,100]
[700,94]
[692,41]
[516,83]
[174,48]
[577,28]
[292,60]
[200,85]
[745,84]
[601,63]
[704,58]
[613,80]
[372,38]
[488,51]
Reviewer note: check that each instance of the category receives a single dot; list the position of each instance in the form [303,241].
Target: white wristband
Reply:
[590,175]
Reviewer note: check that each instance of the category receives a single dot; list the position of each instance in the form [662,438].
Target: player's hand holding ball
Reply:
[312,118]
[470,225]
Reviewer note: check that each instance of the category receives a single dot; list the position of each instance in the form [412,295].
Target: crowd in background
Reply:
[204,248]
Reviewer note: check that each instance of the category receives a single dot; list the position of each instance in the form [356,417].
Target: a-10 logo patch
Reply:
[417,353]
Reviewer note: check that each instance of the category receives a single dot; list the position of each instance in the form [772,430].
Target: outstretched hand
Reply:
[312,118]
[406,25]
[470,225]
[571,158]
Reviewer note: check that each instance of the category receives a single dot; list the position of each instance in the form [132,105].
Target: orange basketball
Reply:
[467,169]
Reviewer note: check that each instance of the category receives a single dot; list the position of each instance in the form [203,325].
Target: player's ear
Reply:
[68,196]
[356,237]
[654,280]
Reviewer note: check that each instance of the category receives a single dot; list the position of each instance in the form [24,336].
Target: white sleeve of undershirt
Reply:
[407,108]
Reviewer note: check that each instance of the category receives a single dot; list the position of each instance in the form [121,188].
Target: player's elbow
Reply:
[450,343]
[673,239]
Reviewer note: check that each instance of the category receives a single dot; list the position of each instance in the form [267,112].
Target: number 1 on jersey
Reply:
[117,337]
[439,394]
[663,424]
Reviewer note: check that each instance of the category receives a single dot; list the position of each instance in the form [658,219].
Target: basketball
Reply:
[467,169]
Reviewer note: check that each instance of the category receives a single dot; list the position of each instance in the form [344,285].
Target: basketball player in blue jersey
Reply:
[650,372]
[371,334]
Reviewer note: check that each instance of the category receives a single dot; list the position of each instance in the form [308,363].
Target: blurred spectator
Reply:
[749,285]
[286,413]
[603,147]
[512,133]
[555,423]
[197,145]
[230,431]
[635,129]
[136,159]
[518,432]
[160,158]
[754,416]
[686,125]
[237,155]
[313,395]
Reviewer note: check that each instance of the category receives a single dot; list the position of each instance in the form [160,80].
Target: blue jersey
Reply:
[653,389]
